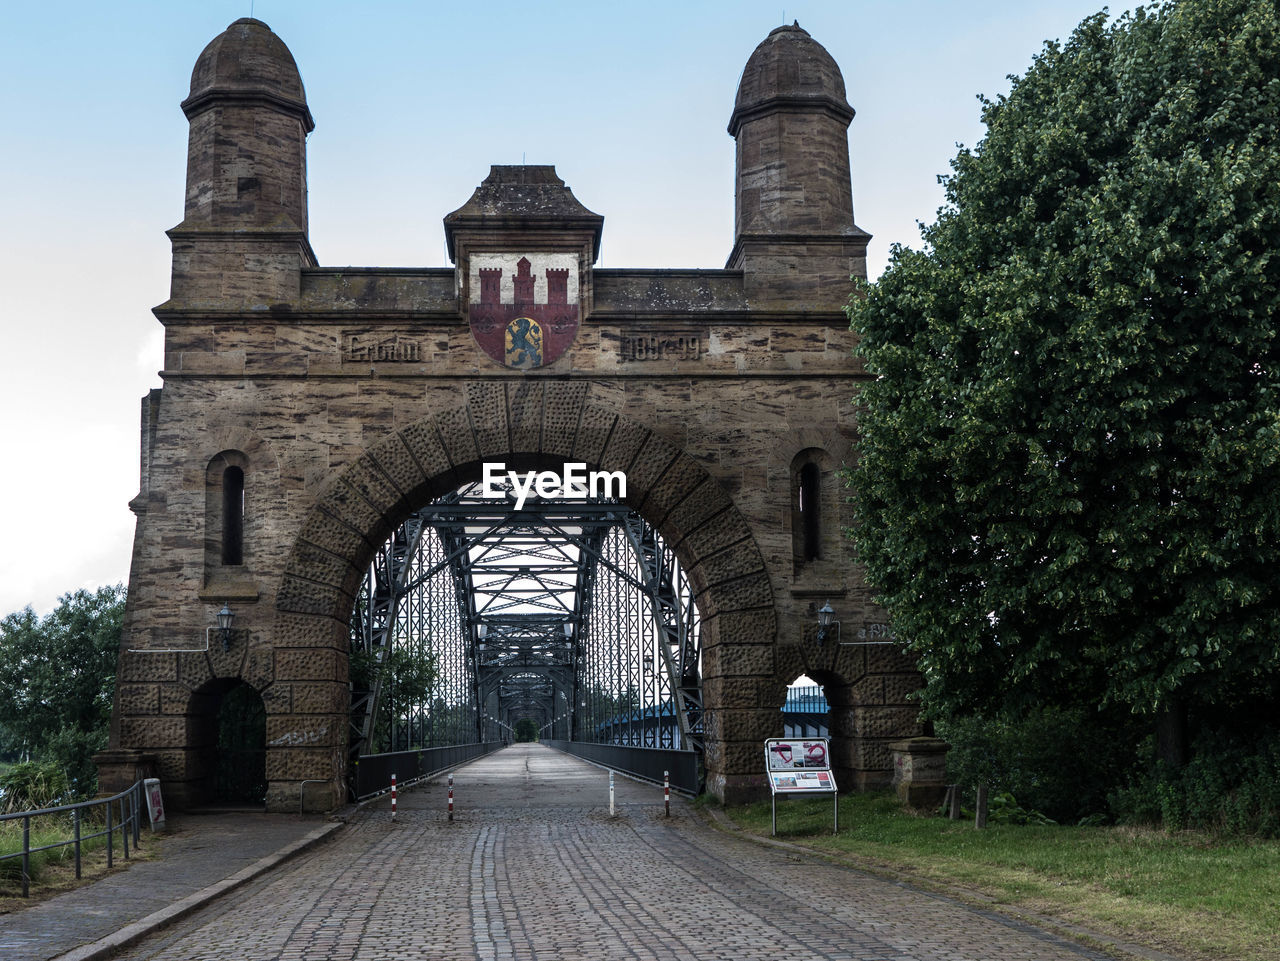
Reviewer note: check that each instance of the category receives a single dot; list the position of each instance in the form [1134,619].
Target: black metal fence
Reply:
[643,762]
[121,813]
[373,771]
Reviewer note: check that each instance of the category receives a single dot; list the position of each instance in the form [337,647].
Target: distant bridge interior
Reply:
[476,616]
[566,619]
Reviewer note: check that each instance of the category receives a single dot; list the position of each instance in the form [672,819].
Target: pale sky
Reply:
[412,101]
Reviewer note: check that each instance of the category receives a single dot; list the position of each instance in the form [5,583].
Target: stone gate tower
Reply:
[307,411]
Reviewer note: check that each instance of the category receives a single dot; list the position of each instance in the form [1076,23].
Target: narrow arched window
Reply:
[233,516]
[810,511]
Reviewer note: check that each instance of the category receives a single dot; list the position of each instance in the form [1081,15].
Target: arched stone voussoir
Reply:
[392,457]
[647,470]
[682,476]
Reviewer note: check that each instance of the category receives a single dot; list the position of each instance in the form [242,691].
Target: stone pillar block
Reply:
[920,770]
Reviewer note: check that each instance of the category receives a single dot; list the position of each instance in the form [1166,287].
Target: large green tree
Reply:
[57,675]
[1069,477]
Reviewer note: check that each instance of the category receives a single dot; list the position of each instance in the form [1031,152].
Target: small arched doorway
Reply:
[241,773]
[228,730]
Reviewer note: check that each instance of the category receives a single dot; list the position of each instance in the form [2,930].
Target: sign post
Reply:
[800,767]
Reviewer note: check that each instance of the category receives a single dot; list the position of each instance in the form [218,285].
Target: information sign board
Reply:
[797,766]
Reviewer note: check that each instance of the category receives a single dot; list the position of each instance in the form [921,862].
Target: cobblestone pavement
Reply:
[533,867]
[198,851]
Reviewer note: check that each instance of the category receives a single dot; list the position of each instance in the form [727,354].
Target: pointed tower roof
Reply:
[788,70]
[248,62]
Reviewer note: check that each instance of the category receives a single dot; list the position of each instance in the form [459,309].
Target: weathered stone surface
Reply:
[350,397]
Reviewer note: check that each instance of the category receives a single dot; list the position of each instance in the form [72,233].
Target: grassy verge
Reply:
[53,871]
[1188,894]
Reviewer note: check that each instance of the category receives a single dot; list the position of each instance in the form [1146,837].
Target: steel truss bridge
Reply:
[568,613]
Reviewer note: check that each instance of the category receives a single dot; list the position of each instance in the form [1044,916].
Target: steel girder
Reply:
[569,612]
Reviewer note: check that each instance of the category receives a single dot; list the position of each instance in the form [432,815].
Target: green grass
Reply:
[49,830]
[1189,894]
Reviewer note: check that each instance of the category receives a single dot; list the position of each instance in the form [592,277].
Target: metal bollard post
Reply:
[450,797]
[666,791]
[393,797]
[610,794]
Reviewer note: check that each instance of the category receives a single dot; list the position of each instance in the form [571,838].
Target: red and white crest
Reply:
[524,308]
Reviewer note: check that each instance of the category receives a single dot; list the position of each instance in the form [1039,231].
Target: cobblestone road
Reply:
[533,867]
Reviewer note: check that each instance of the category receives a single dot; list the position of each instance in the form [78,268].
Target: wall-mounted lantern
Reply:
[828,627]
[225,619]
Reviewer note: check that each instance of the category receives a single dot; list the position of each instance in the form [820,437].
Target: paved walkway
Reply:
[199,851]
[534,867]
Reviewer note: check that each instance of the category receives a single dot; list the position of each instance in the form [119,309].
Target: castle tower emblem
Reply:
[524,308]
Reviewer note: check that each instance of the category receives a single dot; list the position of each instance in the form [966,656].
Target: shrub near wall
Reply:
[1063,762]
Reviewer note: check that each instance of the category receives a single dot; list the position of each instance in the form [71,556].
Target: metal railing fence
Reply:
[131,802]
[646,763]
[373,771]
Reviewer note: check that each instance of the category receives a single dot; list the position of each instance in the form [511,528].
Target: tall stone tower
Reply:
[308,412]
[794,235]
[243,238]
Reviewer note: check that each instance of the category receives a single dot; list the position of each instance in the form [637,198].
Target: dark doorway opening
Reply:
[241,776]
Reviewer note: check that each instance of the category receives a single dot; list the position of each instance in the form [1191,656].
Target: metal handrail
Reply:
[132,802]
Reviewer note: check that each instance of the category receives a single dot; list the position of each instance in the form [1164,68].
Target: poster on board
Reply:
[790,754]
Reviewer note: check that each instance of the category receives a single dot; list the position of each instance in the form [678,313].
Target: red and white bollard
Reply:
[666,791]
[450,797]
[393,797]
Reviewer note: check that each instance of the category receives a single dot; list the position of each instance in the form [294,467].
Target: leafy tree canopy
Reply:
[1069,485]
[59,671]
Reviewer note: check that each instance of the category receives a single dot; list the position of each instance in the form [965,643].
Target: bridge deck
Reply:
[534,867]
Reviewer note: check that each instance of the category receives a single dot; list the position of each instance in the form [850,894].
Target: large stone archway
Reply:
[543,424]
[306,410]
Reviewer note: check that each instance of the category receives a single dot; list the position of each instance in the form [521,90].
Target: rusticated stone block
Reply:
[332,536]
[620,453]
[195,671]
[423,442]
[865,754]
[459,440]
[148,667]
[159,731]
[742,725]
[745,627]
[138,698]
[881,721]
[721,531]
[647,468]
[487,405]
[296,763]
[701,504]
[318,697]
[300,731]
[259,666]
[307,630]
[739,660]
[348,505]
[594,430]
[321,566]
[680,479]
[174,699]
[299,596]
[278,698]
[397,463]
[562,407]
[739,594]
[374,486]
[316,664]
[899,688]
[731,563]
[525,404]
[743,692]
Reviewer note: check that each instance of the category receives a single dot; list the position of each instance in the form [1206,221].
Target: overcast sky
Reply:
[412,101]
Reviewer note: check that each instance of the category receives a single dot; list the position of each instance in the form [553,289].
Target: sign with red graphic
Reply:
[796,766]
[524,308]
